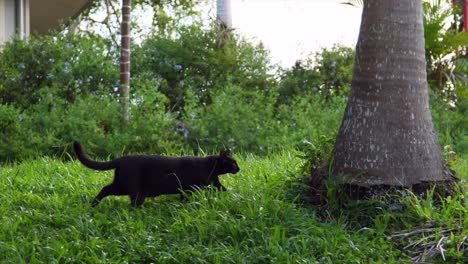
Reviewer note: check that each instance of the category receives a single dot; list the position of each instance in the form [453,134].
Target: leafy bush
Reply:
[327,73]
[451,123]
[190,90]
[250,121]
[49,126]
[14,140]
[78,65]
[310,116]
[237,118]
[194,60]
[445,44]
[63,87]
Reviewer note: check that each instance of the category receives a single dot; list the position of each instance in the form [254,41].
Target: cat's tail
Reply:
[91,163]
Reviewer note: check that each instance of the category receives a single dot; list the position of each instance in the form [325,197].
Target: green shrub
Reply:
[237,118]
[193,60]
[251,121]
[310,116]
[152,129]
[51,125]
[190,90]
[15,136]
[451,123]
[326,73]
[78,65]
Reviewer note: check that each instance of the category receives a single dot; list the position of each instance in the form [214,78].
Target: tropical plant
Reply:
[446,52]
[354,3]
[446,49]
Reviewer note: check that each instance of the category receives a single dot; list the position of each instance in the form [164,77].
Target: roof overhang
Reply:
[50,14]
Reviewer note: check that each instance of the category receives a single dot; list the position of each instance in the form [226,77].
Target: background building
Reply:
[36,16]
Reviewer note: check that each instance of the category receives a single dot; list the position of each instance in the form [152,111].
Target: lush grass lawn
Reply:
[46,217]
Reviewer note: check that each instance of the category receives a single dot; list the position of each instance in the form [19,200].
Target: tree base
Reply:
[440,189]
[321,188]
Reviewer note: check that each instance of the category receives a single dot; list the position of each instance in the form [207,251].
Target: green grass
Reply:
[46,218]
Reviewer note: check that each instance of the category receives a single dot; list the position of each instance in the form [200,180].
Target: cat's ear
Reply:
[225,153]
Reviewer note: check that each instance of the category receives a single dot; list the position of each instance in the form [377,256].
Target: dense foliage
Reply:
[68,66]
[198,62]
[446,48]
[188,93]
[327,73]
[192,90]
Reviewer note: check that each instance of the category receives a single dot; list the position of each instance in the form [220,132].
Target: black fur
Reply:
[141,176]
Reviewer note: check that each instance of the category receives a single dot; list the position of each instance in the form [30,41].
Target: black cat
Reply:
[141,176]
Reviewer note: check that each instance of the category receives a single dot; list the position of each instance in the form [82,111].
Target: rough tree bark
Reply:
[125,60]
[387,136]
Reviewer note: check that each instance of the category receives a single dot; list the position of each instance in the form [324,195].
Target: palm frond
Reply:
[355,3]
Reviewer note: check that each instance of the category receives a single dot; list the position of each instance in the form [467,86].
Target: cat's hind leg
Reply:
[111,189]
[137,199]
[184,195]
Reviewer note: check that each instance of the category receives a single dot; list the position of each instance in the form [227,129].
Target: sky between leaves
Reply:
[290,29]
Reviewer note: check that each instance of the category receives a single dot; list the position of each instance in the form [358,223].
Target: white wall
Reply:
[9,19]
[2,21]
[9,11]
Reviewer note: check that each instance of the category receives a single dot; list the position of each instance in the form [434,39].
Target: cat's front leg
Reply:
[111,189]
[218,184]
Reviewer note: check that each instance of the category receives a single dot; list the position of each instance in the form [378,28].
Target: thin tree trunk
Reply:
[125,60]
[75,25]
[387,136]
[465,15]
[224,20]
[223,12]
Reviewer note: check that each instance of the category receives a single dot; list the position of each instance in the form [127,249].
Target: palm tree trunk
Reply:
[387,136]
[125,60]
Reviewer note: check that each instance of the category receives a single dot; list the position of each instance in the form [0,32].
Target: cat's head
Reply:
[226,163]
